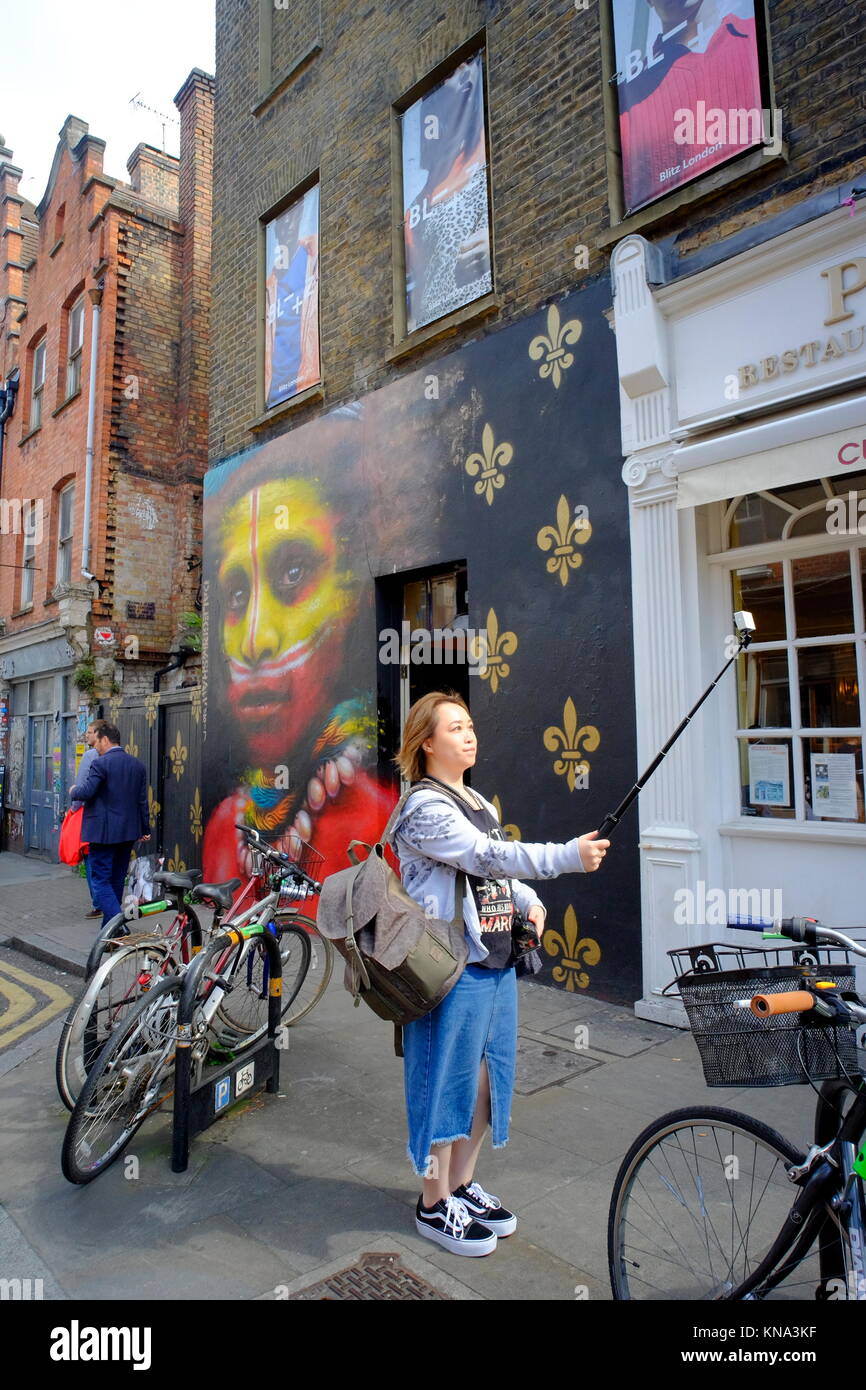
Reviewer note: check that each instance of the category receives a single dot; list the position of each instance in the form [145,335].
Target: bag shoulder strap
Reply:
[460,880]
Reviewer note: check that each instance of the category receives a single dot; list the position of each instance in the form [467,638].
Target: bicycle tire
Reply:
[119,1090]
[116,986]
[320,969]
[653,1228]
[242,1016]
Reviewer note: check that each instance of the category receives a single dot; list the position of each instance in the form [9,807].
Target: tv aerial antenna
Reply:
[163,116]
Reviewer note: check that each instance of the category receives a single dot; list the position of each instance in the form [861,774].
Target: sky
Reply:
[88,59]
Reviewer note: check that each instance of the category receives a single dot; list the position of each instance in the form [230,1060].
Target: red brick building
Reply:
[104,299]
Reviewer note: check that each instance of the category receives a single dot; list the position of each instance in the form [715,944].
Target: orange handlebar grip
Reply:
[793,1001]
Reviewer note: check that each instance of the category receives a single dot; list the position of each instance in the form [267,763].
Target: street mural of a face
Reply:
[285,603]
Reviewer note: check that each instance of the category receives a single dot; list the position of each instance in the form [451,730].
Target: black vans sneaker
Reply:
[486,1209]
[450,1224]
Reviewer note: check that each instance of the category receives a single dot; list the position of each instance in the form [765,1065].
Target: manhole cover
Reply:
[373,1276]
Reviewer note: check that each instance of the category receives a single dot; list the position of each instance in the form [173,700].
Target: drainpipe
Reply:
[96,301]
[174,665]
[7,405]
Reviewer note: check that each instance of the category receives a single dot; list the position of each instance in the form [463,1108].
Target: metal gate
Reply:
[164,730]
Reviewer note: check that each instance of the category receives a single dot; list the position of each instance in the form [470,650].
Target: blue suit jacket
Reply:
[114,793]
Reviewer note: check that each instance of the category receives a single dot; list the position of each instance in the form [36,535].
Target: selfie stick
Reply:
[745,625]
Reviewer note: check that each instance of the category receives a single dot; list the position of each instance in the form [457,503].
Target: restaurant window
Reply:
[801,705]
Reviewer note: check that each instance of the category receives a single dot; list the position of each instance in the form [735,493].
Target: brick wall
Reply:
[150,446]
[548,166]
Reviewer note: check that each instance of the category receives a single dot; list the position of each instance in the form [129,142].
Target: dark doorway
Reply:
[426,614]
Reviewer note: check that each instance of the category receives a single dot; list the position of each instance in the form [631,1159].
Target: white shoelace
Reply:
[485,1198]
[457,1217]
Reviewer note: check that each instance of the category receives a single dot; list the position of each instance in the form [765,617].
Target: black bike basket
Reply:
[738,1049]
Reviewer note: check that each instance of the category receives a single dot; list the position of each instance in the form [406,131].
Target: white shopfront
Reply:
[744,431]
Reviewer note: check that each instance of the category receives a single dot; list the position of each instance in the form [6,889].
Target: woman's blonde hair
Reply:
[420,725]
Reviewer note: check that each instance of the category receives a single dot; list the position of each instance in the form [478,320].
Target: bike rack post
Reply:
[189,1118]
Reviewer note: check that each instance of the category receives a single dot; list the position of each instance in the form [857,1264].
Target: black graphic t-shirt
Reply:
[492,896]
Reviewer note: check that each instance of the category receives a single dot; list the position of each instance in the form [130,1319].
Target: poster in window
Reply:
[446,218]
[292,300]
[688,88]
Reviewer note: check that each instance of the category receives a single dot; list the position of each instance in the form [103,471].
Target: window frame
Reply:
[315,390]
[485,304]
[65,542]
[785,552]
[74,352]
[39,355]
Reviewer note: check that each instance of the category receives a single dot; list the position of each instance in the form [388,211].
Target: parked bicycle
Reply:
[124,963]
[133,1074]
[710,1203]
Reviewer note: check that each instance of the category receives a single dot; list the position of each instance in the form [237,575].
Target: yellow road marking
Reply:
[58,999]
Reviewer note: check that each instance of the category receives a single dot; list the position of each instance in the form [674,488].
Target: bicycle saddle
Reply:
[185,880]
[220,893]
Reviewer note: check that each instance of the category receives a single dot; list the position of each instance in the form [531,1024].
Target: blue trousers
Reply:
[108,866]
[89,879]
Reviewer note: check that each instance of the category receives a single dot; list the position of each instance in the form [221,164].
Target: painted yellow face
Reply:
[285,603]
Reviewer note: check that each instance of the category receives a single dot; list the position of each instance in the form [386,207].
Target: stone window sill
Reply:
[486,307]
[68,401]
[698,191]
[312,393]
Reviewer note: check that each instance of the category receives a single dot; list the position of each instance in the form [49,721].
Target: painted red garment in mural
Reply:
[724,77]
[360,813]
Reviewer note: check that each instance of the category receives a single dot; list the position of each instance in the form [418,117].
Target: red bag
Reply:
[70,848]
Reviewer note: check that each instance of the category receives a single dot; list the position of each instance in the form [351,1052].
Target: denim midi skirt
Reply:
[442,1055]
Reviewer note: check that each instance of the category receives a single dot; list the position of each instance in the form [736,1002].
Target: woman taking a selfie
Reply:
[459,1059]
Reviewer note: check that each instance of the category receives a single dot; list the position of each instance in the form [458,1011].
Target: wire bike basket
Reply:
[738,1049]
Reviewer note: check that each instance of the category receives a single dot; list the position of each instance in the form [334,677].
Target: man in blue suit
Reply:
[116,814]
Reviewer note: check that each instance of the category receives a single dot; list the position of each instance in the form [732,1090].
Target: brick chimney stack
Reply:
[154,175]
[195,101]
[12,288]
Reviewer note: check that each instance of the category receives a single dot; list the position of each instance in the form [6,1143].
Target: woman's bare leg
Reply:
[464,1152]
[437,1185]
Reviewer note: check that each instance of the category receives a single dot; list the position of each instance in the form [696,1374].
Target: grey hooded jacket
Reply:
[433,840]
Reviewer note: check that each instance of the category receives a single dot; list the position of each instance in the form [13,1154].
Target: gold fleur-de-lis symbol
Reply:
[572,762]
[131,747]
[575,953]
[114,706]
[552,346]
[195,810]
[153,805]
[175,864]
[511,832]
[488,463]
[490,648]
[568,532]
[195,707]
[178,753]
[151,703]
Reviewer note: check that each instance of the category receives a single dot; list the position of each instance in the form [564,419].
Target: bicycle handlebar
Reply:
[277,857]
[793,1001]
[808,931]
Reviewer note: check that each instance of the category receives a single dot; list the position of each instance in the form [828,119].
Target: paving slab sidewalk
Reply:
[288,1190]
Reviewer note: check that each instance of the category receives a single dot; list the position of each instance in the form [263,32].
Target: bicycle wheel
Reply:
[244,1008]
[699,1199]
[118,984]
[318,975]
[132,1077]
